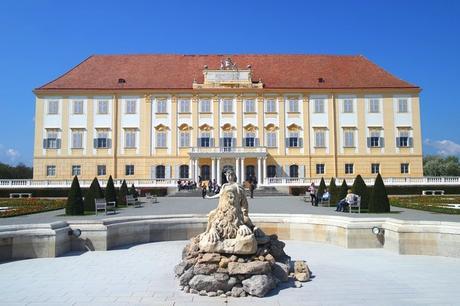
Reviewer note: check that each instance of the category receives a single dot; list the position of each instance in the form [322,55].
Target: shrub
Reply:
[94,192]
[133,191]
[359,187]
[75,205]
[379,202]
[123,193]
[334,191]
[321,188]
[110,192]
[343,190]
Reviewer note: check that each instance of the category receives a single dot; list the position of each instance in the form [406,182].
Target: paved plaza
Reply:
[143,275]
[194,205]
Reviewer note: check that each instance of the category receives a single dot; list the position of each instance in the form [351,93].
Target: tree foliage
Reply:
[334,191]
[110,192]
[379,202]
[75,205]
[123,193]
[321,188]
[133,191]
[435,165]
[20,171]
[94,192]
[343,190]
[359,187]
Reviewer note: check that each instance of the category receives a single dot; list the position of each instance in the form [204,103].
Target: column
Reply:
[259,169]
[219,177]
[196,171]
[190,169]
[264,171]
[213,169]
[242,170]
[237,169]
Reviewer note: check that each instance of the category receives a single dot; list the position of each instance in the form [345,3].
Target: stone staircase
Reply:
[186,193]
[268,192]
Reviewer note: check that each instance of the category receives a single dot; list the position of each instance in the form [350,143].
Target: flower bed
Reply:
[27,206]
[428,203]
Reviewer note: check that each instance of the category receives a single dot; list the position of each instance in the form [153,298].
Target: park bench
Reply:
[432,192]
[20,195]
[131,200]
[151,198]
[355,204]
[102,204]
[326,203]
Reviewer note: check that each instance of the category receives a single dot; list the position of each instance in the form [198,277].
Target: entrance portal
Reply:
[224,170]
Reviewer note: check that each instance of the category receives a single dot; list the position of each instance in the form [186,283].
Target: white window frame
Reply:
[161,139]
[270,106]
[78,107]
[348,107]
[129,169]
[53,107]
[374,105]
[184,139]
[375,134]
[293,106]
[161,106]
[349,138]
[319,106]
[405,169]
[77,138]
[375,168]
[76,170]
[349,168]
[321,167]
[320,138]
[205,106]
[227,105]
[130,138]
[102,107]
[403,108]
[184,106]
[51,170]
[99,168]
[131,106]
[249,106]
[271,138]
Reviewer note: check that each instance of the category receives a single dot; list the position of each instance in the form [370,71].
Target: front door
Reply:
[250,172]
[224,170]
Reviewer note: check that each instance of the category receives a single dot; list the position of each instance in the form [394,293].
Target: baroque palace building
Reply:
[154,117]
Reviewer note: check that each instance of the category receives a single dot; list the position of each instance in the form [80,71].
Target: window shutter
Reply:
[301,171]
[167,171]
[382,142]
[300,143]
[233,142]
[411,142]
[109,143]
[369,144]
[256,142]
[397,142]
[153,173]
[45,142]
[287,142]
[279,171]
[211,142]
[95,143]
[176,172]
[286,170]
[221,142]
[58,143]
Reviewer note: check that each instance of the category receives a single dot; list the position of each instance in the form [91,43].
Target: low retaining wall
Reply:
[403,237]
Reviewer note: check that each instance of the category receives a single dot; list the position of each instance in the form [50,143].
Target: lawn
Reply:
[29,206]
[428,203]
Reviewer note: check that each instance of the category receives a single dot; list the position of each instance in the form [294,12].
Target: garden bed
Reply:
[438,204]
[17,207]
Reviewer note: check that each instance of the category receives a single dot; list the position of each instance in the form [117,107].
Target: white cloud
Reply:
[12,154]
[444,147]
[9,155]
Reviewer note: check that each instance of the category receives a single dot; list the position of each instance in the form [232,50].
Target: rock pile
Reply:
[215,274]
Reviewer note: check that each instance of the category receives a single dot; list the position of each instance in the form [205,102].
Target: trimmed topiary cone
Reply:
[379,202]
[110,192]
[75,205]
[334,191]
[94,192]
[343,190]
[321,188]
[359,187]
[123,193]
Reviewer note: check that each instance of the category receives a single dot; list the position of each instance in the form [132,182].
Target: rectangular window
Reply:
[161,139]
[205,140]
[374,106]
[130,139]
[250,140]
[319,106]
[271,139]
[270,106]
[129,169]
[249,106]
[76,170]
[320,138]
[102,107]
[205,106]
[403,141]
[102,139]
[227,106]
[161,106]
[402,106]
[131,106]
[52,141]
[348,106]
[101,170]
[374,140]
[184,106]
[404,168]
[51,170]
[78,107]
[293,106]
[293,140]
[53,107]
[319,168]
[77,139]
[348,138]
[184,139]
[375,168]
[348,168]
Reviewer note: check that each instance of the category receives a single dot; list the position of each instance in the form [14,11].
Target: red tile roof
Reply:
[155,71]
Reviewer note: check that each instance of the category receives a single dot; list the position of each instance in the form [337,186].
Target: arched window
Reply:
[205,172]
[183,171]
[160,171]
[271,171]
[294,171]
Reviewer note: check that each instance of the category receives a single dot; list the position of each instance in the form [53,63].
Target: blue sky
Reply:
[417,41]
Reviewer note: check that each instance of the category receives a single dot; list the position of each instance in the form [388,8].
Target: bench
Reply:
[20,195]
[326,203]
[102,204]
[433,192]
[356,204]
[151,198]
[131,200]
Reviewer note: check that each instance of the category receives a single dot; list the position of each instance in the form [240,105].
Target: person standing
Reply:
[252,186]
[203,189]
[312,190]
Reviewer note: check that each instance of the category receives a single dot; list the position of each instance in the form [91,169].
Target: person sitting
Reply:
[350,198]
[326,196]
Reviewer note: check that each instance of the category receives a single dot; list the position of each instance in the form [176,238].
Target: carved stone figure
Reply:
[227,64]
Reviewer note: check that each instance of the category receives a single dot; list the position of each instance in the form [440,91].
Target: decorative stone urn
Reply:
[233,257]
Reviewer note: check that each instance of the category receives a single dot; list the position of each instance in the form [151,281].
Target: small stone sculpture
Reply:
[233,257]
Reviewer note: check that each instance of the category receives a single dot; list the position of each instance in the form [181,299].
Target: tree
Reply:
[75,205]
[321,188]
[379,202]
[123,193]
[110,192]
[435,165]
[359,187]
[334,191]
[94,192]
[133,191]
[21,171]
[343,190]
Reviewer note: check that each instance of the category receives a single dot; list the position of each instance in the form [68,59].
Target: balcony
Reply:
[229,151]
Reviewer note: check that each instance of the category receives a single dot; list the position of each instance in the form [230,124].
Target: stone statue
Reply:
[229,228]
[227,64]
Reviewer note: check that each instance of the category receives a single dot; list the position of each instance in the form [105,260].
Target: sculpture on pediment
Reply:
[227,64]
